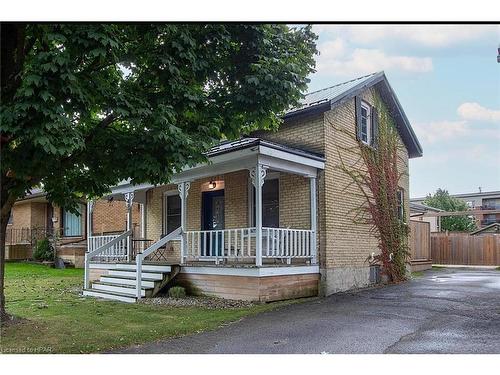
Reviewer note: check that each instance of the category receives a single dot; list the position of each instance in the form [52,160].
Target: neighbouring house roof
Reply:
[33,193]
[492,228]
[483,194]
[420,208]
[323,100]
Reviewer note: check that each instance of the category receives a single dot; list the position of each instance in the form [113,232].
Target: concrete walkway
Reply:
[444,311]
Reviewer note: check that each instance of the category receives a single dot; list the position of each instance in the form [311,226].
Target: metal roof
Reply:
[325,99]
[330,94]
[231,146]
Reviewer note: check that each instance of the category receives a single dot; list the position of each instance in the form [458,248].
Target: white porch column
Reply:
[183,188]
[129,200]
[90,209]
[258,175]
[314,218]
[143,220]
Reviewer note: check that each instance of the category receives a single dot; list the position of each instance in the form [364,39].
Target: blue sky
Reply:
[448,81]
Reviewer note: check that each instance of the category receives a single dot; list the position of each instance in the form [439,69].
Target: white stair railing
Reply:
[140,257]
[102,250]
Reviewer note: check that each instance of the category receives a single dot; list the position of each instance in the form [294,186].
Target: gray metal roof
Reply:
[242,143]
[325,99]
[330,94]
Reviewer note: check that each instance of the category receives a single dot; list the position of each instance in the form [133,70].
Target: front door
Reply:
[212,219]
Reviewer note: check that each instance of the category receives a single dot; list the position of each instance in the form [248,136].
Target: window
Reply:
[11,218]
[172,212]
[365,123]
[270,204]
[72,223]
[401,204]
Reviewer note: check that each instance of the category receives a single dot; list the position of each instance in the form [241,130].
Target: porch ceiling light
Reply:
[212,185]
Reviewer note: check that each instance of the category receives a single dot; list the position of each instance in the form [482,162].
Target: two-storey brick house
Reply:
[267,218]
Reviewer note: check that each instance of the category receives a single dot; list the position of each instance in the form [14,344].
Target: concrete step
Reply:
[126,290]
[132,274]
[145,267]
[121,281]
[109,295]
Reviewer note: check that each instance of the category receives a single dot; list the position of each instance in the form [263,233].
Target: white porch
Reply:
[220,243]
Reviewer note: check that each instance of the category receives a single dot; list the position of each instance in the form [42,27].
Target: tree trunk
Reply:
[7,204]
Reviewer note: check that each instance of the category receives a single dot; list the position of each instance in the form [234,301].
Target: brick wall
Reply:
[347,245]
[295,203]
[38,215]
[112,217]
[21,215]
[306,133]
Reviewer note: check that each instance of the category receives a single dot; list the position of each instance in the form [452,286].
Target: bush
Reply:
[44,250]
[177,292]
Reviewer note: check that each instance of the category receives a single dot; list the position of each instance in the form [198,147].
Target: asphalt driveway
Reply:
[444,311]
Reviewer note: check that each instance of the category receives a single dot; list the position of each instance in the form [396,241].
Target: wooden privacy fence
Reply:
[464,249]
[420,240]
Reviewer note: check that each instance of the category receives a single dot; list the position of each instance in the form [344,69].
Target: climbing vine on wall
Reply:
[374,174]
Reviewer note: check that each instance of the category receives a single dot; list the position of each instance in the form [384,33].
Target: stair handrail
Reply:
[99,250]
[140,257]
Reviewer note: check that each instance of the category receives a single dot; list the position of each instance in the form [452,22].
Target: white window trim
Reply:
[368,109]
[166,194]
[269,176]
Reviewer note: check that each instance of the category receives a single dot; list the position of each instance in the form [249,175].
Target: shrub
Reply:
[177,292]
[44,250]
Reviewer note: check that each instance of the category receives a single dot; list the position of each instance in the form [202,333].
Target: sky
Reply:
[448,81]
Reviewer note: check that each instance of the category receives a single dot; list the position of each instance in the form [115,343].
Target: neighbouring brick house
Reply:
[268,217]
[33,218]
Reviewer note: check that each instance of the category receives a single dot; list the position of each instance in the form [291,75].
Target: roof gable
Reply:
[323,100]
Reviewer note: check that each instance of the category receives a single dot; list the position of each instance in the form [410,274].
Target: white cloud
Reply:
[425,35]
[438,131]
[335,59]
[474,111]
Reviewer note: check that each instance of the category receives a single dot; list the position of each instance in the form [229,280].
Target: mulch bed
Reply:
[192,301]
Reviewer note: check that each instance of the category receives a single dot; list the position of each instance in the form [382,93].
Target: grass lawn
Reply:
[58,320]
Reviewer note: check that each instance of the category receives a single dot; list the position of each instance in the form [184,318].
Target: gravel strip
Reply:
[191,301]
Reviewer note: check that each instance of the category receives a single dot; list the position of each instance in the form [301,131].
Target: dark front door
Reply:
[212,219]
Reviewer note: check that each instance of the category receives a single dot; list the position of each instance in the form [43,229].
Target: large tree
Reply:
[85,106]
[443,200]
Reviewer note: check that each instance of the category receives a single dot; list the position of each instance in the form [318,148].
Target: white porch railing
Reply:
[118,250]
[240,244]
[112,248]
[151,249]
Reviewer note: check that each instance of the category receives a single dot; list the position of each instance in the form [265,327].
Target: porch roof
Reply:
[242,143]
[244,153]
